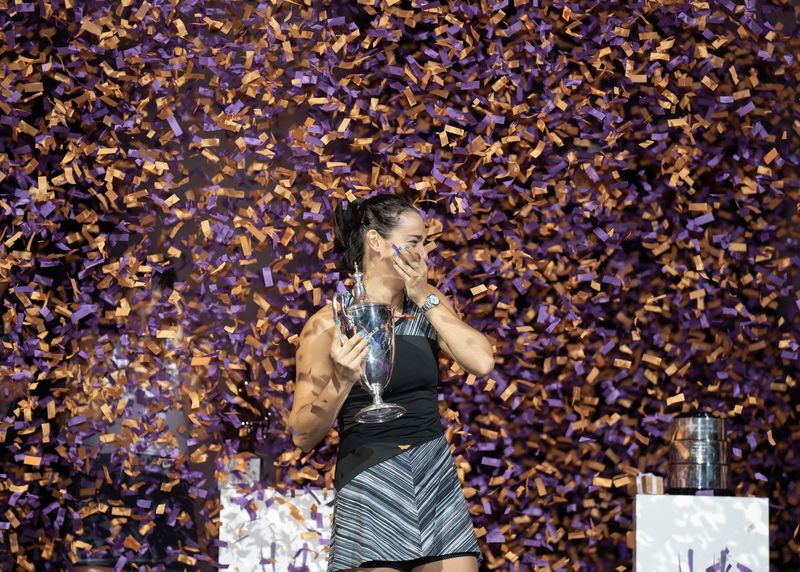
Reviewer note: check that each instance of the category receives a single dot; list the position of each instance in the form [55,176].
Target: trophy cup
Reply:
[377,321]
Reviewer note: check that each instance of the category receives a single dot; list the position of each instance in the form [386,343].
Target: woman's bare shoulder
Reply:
[321,320]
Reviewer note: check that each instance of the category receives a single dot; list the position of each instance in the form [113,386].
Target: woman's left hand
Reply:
[412,267]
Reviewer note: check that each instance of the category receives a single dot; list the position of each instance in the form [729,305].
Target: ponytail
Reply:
[348,239]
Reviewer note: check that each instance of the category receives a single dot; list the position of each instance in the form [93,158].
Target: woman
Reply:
[399,504]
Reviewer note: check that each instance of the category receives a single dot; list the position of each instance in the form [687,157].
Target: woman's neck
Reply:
[385,289]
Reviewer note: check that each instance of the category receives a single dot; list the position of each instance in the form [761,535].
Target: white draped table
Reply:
[282,531]
[701,534]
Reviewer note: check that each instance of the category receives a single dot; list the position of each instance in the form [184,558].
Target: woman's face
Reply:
[409,234]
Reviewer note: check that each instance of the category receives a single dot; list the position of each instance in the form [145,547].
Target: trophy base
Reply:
[380,413]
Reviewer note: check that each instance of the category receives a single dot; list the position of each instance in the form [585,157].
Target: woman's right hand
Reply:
[347,357]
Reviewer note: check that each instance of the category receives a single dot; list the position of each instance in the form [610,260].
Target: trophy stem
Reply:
[378,411]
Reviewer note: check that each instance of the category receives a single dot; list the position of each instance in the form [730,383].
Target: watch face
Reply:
[433,299]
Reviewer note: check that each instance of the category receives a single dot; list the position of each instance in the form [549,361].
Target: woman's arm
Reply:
[466,345]
[463,343]
[326,372]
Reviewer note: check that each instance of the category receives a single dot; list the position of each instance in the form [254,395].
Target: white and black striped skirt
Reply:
[403,512]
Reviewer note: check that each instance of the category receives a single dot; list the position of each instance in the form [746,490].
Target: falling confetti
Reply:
[611,196]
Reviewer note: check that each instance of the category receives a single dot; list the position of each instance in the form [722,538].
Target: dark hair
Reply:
[380,212]
[166,280]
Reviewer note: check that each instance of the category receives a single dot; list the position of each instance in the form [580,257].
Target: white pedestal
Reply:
[283,532]
[701,534]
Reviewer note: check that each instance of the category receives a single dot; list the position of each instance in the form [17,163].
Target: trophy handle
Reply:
[339,316]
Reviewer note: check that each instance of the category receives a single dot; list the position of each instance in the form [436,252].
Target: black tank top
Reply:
[414,381]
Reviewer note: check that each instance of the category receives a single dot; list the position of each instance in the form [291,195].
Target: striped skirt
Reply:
[403,512]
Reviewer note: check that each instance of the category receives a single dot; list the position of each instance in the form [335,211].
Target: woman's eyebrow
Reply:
[417,236]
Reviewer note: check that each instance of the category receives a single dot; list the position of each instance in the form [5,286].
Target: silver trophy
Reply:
[698,457]
[377,321]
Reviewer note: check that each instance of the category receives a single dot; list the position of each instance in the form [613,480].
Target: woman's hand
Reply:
[412,267]
[348,356]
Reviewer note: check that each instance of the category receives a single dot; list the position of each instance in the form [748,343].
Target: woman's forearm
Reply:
[311,423]
[469,347]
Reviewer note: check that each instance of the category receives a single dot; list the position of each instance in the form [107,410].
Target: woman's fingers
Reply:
[402,266]
[361,355]
[343,352]
[353,341]
[408,274]
[412,261]
[353,360]
[347,359]
[358,344]
[340,350]
[407,256]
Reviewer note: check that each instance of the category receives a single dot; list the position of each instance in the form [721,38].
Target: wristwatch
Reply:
[431,301]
